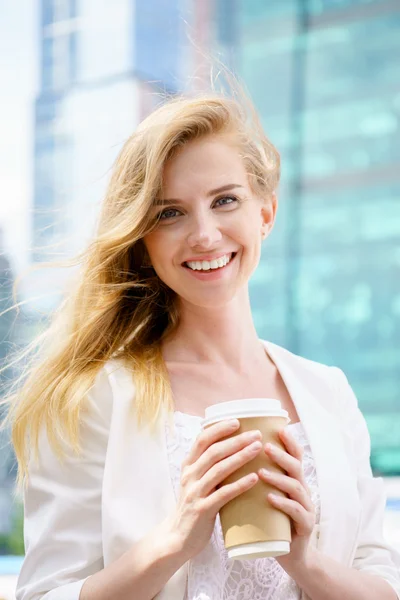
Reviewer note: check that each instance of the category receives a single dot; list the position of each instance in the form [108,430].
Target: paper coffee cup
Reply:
[251,526]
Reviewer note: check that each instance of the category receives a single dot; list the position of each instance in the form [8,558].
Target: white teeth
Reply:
[206,265]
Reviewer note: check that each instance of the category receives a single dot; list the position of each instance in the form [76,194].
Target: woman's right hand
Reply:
[210,460]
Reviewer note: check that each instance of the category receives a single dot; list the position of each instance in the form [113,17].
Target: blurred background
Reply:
[76,78]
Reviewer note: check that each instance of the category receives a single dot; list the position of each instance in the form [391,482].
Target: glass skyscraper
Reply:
[323,75]
[100,62]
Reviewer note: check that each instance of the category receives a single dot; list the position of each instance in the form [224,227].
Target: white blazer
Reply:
[82,515]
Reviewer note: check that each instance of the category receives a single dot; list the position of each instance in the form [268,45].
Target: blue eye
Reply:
[233,198]
[165,212]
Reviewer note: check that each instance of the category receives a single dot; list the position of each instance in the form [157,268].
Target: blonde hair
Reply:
[118,307]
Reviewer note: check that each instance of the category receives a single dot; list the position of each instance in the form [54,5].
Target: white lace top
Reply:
[212,575]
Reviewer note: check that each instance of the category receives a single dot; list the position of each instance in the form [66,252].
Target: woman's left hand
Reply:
[298,506]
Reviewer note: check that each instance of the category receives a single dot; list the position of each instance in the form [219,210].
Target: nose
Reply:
[204,231]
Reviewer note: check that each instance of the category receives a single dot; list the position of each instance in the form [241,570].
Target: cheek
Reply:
[249,236]
[155,245]
[161,249]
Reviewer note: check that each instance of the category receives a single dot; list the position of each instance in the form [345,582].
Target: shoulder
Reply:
[114,376]
[302,364]
[112,380]
[328,382]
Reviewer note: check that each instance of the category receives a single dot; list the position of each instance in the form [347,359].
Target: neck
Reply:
[224,336]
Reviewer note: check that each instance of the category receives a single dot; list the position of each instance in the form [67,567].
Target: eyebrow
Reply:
[224,188]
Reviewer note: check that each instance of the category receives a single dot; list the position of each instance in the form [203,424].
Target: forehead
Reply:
[202,165]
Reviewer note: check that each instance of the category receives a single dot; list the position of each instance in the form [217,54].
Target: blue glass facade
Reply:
[323,76]
[58,71]
[158,40]
[98,56]
[44,187]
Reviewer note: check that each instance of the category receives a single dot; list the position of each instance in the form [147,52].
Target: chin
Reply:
[210,301]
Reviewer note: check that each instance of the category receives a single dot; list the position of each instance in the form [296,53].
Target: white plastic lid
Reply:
[259,550]
[246,407]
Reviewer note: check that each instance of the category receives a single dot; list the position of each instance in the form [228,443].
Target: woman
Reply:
[159,327]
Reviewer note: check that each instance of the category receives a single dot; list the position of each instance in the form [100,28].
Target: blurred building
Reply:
[102,68]
[323,74]
[7,331]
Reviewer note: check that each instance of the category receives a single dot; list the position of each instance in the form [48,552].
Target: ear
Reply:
[268,214]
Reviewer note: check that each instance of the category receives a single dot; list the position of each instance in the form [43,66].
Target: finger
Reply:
[291,444]
[223,454]
[229,491]
[290,486]
[302,519]
[296,450]
[289,463]
[213,476]
[208,436]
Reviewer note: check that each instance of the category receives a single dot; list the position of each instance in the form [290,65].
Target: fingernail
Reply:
[265,472]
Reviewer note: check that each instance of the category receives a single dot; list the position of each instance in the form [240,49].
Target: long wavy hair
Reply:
[117,306]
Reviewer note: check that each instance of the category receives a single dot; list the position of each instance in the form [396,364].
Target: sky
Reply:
[19,58]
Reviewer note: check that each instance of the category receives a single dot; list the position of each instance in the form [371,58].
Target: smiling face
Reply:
[208,210]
